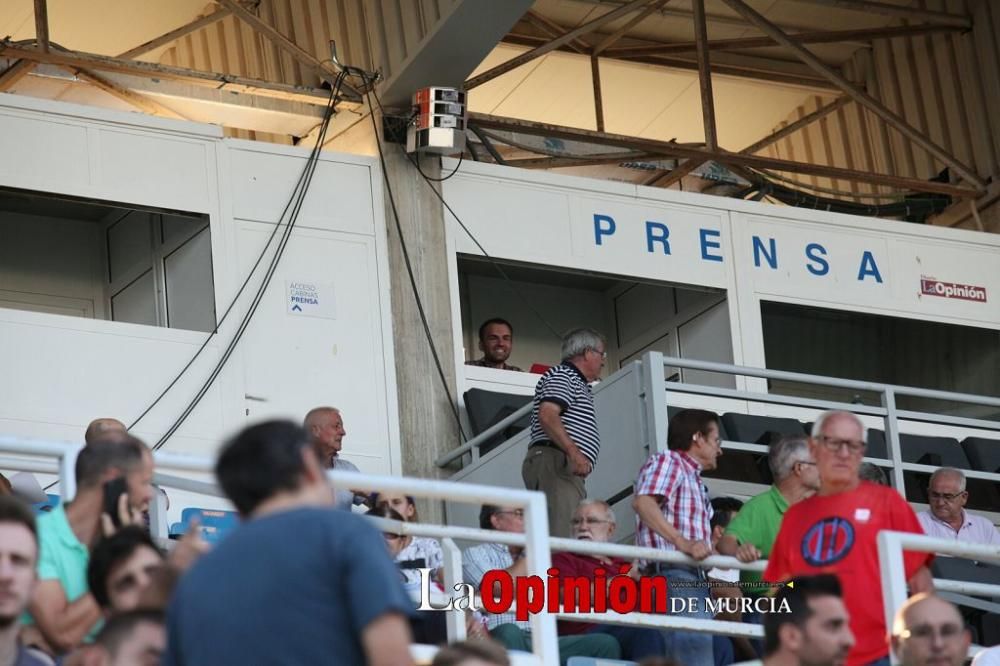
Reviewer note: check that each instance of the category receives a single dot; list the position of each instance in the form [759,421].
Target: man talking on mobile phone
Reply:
[61,608]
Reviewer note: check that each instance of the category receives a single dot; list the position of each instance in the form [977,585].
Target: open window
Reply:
[104,260]
[636,316]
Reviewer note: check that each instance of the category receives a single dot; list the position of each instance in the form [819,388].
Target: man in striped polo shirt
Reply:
[564,438]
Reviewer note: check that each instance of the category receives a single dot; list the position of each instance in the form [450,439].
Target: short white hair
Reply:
[950,471]
[821,420]
[609,515]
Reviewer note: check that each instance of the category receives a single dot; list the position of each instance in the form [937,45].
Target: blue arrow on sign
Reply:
[296,308]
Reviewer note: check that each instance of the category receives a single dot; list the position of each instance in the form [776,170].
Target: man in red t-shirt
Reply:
[835,532]
[594,520]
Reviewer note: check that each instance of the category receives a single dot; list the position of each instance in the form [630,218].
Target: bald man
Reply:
[929,630]
[103,426]
[325,426]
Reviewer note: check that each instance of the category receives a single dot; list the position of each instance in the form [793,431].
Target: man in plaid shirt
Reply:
[673,513]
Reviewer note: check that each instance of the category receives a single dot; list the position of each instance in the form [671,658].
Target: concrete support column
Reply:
[427,424]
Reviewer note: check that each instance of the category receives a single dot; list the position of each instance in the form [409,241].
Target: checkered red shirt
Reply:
[674,478]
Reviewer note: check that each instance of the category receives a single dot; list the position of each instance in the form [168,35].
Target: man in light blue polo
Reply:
[62,607]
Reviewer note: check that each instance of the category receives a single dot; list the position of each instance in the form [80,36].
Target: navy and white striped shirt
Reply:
[566,386]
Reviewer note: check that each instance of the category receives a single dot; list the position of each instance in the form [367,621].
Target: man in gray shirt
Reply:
[325,426]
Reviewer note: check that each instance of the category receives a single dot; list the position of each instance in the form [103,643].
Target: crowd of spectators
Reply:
[305,579]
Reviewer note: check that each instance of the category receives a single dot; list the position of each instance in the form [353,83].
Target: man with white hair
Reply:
[929,630]
[564,438]
[325,426]
[751,533]
[948,518]
[836,531]
[594,521]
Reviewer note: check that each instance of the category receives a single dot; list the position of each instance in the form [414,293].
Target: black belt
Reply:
[546,443]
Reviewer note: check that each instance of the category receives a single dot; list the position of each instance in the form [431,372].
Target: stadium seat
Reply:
[593,661]
[215,524]
[487,408]
[751,429]
[876,444]
[51,502]
[983,453]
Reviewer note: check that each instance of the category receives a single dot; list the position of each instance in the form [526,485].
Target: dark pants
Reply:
[547,469]
[636,642]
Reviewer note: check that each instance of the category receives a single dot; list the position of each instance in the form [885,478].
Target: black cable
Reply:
[416,163]
[295,202]
[229,309]
[298,195]
[409,269]
[488,145]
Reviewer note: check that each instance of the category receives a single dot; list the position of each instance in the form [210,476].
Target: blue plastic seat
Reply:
[215,524]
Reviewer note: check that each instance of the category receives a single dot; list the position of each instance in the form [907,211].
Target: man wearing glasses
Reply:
[836,530]
[505,628]
[564,437]
[948,518]
[594,521]
[929,630]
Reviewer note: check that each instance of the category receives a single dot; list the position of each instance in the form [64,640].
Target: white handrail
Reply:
[890,556]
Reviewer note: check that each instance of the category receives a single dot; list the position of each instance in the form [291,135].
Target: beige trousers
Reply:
[547,469]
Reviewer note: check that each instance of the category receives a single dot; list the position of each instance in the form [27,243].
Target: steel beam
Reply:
[305,58]
[215,80]
[791,128]
[42,24]
[687,152]
[548,47]
[176,34]
[861,97]
[705,76]
[813,37]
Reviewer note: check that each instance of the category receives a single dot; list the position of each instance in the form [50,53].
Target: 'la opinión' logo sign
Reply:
[965,292]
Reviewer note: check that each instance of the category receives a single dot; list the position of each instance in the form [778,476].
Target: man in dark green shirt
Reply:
[750,535]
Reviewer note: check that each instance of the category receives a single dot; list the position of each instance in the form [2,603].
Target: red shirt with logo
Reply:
[574,565]
[837,534]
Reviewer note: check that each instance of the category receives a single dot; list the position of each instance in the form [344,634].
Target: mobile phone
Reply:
[114,489]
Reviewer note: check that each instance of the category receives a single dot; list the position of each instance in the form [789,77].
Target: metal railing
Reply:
[656,387]
[891,416]
[891,565]
[536,542]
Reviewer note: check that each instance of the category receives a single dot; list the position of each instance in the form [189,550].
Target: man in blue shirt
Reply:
[298,582]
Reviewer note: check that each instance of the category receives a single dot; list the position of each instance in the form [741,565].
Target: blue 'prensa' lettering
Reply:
[657,232]
[604,225]
[868,267]
[707,244]
[770,257]
[815,252]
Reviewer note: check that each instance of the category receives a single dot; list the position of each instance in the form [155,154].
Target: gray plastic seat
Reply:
[751,428]
[487,408]
[983,453]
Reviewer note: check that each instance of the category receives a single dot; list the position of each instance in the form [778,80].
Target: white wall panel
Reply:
[63,371]
[263,182]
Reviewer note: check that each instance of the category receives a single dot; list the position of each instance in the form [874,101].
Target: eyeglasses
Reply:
[834,445]
[925,632]
[392,537]
[807,462]
[947,497]
[589,521]
[604,354]
[517,513]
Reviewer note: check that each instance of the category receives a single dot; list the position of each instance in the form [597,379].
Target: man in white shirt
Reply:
[948,518]
[325,426]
